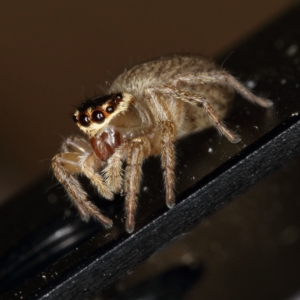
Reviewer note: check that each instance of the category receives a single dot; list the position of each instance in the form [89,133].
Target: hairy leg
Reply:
[220,77]
[76,143]
[168,160]
[138,149]
[199,101]
[167,138]
[113,172]
[65,166]
[89,164]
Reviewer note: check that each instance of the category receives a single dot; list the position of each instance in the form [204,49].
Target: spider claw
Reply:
[170,204]
[236,140]
[267,103]
[130,225]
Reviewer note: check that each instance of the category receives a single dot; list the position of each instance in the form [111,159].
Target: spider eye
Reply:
[98,116]
[109,109]
[119,96]
[84,120]
[75,119]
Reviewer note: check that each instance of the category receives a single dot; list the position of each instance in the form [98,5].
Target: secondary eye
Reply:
[84,120]
[119,96]
[109,109]
[98,116]
[75,119]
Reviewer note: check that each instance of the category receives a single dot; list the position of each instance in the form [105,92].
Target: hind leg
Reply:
[220,77]
[200,101]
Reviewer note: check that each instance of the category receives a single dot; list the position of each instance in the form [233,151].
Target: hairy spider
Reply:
[146,110]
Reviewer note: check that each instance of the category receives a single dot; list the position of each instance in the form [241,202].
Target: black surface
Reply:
[63,258]
[170,285]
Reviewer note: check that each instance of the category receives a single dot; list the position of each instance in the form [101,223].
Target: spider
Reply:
[146,110]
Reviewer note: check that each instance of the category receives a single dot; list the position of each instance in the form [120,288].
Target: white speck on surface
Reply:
[250,84]
[295,114]
[256,127]
[210,150]
[145,189]
[292,50]
[283,81]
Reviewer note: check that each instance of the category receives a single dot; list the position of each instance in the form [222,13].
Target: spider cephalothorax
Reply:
[147,109]
[94,115]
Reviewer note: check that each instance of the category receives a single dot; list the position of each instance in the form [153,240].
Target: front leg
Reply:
[76,144]
[89,164]
[66,166]
[139,148]
[113,172]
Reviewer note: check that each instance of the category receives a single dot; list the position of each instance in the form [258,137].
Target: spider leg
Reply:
[113,172]
[89,164]
[138,149]
[168,160]
[220,77]
[76,143]
[65,167]
[167,129]
[199,101]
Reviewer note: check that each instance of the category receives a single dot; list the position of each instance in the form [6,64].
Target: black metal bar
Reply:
[87,259]
[220,187]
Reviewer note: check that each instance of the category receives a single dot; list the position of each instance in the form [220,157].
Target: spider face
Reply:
[94,115]
[147,110]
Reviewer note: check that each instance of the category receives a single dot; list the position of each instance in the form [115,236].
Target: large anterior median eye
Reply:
[98,116]
[84,120]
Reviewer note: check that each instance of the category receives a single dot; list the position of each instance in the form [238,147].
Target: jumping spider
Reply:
[146,110]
